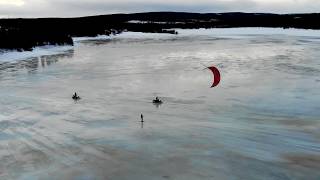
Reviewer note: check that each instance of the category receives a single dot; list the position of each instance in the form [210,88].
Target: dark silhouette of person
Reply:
[75,96]
[157,100]
[141,118]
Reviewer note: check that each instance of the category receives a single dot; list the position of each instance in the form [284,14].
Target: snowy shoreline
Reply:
[13,55]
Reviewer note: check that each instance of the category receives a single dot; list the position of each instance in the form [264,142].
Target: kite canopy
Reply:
[216,75]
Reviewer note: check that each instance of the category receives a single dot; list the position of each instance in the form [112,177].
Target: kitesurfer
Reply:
[141,117]
[75,96]
[157,100]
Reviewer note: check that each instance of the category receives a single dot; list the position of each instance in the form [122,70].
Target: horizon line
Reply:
[226,12]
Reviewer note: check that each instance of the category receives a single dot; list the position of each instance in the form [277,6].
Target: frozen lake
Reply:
[261,122]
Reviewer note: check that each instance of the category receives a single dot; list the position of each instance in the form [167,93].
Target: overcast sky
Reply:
[71,8]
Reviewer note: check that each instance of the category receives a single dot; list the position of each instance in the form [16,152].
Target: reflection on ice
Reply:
[32,64]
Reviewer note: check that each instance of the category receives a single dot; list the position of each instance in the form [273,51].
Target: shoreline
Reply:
[14,55]
[25,34]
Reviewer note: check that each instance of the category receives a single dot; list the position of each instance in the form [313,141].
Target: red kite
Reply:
[216,75]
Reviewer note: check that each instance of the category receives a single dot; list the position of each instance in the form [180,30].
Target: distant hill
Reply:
[24,34]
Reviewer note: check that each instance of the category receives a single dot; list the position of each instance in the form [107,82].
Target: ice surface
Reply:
[261,122]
